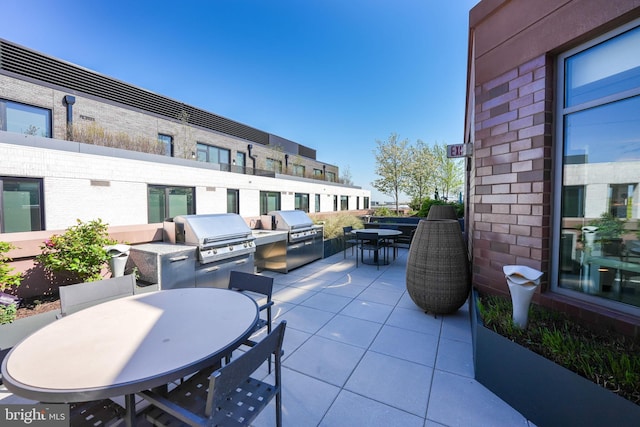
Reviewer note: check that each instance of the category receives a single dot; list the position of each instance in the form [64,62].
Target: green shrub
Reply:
[7,278]
[79,251]
[8,313]
[333,224]
[427,203]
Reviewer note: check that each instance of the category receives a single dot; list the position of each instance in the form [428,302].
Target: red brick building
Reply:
[553,113]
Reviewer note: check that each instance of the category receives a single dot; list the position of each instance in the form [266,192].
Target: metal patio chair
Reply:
[229,396]
[254,284]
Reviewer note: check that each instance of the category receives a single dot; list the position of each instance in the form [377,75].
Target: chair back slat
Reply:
[227,379]
[242,281]
[79,296]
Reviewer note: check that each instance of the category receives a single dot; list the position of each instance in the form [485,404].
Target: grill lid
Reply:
[207,230]
[291,220]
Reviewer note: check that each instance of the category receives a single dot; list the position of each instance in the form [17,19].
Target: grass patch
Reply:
[606,358]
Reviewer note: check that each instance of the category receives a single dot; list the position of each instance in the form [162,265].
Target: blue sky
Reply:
[333,75]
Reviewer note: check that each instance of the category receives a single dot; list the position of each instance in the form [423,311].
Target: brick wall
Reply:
[511,181]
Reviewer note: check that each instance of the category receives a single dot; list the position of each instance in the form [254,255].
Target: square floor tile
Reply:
[325,359]
[350,330]
[306,319]
[415,320]
[353,410]
[405,344]
[327,302]
[455,357]
[461,401]
[367,310]
[396,382]
[305,400]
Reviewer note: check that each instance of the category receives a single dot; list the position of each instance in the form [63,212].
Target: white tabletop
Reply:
[129,344]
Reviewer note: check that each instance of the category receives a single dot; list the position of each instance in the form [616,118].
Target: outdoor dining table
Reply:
[376,234]
[128,345]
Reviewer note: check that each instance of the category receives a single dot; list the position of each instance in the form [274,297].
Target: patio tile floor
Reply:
[359,352]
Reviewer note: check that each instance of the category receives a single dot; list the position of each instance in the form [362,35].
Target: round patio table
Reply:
[128,345]
[377,233]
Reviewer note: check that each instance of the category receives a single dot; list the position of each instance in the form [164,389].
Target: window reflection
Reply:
[600,205]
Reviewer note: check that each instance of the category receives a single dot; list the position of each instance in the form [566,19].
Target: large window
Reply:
[166,202]
[302,202]
[274,165]
[167,143]
[366,203]
[213,154]
[21,205]
[25,119]
[298,170]
[269,201]
[331,177]
[344,203]
[233,201]
[317,204]
[599,125]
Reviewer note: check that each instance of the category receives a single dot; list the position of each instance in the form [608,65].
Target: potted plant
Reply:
[79,252]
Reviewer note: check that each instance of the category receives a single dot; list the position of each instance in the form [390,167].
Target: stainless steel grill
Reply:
[305,240]
[217,236]
[198,251]
[297,223]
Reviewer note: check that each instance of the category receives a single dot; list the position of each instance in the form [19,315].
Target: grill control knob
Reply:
[215,251]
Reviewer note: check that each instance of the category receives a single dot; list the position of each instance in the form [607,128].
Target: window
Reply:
[573,201]
[599,126]
[241,162]
[167,142]
[274,165]
[21,205]
[317,173]
[233,201]
[213,154]
[317,205]
[335,203]
[298,170]
[331,177]
[167,202]
[302,202]
[366,203]
[25,119]
[344,203]
[269,201]
[358,203]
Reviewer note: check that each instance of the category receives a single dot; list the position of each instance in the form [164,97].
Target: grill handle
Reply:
[212,269]
[241,261]
[179,258]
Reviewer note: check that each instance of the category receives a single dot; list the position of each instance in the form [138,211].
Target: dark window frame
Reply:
[41,207]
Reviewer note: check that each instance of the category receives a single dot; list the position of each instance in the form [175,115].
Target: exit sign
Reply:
[459,150]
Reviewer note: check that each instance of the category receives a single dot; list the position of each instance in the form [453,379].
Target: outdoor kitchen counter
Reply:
[264,237]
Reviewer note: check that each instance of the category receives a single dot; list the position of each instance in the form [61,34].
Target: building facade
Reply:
[75,144]
[554,181]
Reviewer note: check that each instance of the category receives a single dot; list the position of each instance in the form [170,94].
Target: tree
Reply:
[392,164]
[421,172]
[346,177]
[449,172]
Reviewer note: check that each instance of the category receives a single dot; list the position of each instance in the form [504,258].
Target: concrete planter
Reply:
[541,390]
[333,246]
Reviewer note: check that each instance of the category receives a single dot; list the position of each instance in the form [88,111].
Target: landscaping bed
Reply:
[544,391]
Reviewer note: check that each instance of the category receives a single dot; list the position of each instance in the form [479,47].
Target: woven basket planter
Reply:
[438,277]
[442,212]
